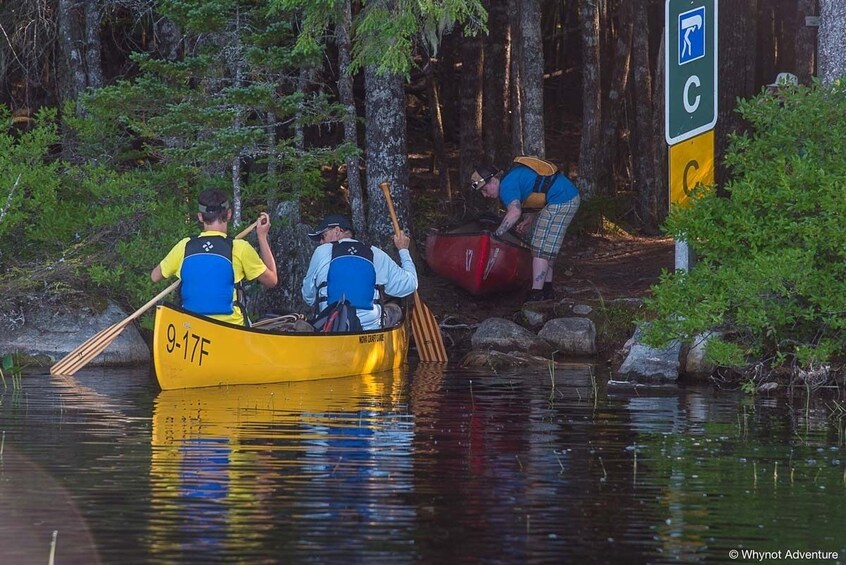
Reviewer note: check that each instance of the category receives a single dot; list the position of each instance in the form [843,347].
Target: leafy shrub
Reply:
[771,257]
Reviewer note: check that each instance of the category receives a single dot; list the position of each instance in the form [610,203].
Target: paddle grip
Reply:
[386,190]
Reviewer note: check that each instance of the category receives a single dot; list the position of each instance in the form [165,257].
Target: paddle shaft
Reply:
[93,346]
[427,333]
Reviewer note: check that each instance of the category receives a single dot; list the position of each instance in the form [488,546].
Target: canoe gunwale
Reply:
[519,244]
[282,333]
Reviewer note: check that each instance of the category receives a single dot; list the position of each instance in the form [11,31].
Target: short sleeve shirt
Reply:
[520,181]
[246,264]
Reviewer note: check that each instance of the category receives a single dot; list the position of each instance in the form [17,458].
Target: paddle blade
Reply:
[91,348]
[427,333]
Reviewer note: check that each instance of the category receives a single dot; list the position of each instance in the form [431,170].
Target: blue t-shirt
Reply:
[518,183]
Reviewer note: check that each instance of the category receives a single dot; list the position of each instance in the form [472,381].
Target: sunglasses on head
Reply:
[477,184]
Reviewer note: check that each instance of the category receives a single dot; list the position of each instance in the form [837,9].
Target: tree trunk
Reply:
[438,144]
[303,84]
[387,154]
[292,250]
[93,49]
[661,165]
[646,173]
[832,41]
[73,70]
[471,106]
[448,85]
[495,119]
[766,31]
[168,40]
[235,64]
[612,107]
[345,92]
[806,42]
[591,98]
[531,83]
[272,159]
[517,141]
[737,54]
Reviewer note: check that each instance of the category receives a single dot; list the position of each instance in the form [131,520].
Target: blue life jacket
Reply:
[352,275]
[208,279]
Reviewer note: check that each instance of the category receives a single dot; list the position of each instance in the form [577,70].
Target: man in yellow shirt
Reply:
[212,266]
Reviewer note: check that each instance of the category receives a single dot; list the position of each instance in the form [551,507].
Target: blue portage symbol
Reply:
[691,35]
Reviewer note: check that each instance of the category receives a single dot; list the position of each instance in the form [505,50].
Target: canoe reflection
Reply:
[238,467]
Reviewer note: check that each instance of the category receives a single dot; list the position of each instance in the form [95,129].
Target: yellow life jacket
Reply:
[547,173]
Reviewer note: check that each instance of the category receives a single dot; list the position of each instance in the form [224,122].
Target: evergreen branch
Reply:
[9,199]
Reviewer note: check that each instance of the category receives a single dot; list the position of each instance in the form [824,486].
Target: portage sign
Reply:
[690,59]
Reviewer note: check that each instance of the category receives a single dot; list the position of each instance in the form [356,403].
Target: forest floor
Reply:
[591,268]
[601,271]
[596,266]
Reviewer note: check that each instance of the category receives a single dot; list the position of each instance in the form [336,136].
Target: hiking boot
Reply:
[535,295]
[548,294]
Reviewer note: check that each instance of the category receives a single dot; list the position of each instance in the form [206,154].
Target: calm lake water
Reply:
[420,466]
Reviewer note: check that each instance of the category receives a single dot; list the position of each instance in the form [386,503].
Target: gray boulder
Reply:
[46,334]
[695,363]
[534,318]
[575,336]
[499,334]
[645,364]
[499,361]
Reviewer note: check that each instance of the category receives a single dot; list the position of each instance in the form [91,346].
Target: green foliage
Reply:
[614,321]
[385,33]
[30,191]
[724,353]
[10,364]
[749,386]
[235,96]
[771,257]
[134,154]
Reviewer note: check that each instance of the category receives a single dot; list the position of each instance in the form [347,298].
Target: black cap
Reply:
[485,170]
[331,221]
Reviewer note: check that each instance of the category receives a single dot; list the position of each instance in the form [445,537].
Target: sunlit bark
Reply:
[832,40]
[531,80]
[591,97]
[387,154]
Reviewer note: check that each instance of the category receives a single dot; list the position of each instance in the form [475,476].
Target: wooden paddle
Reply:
[424,327]
[82,355]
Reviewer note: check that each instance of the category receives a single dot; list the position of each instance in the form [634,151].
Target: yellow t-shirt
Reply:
[245,262]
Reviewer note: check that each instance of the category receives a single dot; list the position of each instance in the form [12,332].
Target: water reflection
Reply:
[435,465]
[331,450]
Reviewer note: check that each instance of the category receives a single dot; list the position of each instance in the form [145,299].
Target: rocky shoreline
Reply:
[548,333]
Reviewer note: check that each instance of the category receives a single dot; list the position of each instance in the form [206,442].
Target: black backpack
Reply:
[337,317]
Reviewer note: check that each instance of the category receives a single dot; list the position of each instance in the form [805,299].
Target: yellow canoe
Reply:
[191,351]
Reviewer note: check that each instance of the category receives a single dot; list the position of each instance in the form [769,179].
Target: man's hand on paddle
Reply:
[263,226]
[402,241]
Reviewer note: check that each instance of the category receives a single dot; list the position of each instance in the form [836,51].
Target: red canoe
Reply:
[478,261]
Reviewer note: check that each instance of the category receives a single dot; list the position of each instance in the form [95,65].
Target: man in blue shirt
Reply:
[521,190]
[344,268]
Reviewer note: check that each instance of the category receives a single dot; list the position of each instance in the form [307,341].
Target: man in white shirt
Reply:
[344,268]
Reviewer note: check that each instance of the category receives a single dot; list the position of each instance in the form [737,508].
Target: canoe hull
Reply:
[191,351]
[479,262]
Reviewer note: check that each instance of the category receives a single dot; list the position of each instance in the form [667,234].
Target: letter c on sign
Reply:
[685,186]
[688,105]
